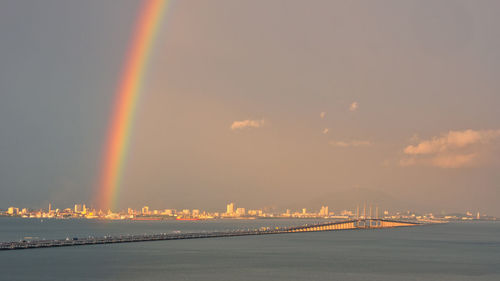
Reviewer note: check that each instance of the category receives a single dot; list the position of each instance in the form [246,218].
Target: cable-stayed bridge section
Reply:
[328,226]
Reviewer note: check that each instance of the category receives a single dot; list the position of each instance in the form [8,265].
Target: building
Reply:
[240,211]
[145,210]
[230,208]
[12,211]
[78,208]
[168,212]
[324,211]
[348,213]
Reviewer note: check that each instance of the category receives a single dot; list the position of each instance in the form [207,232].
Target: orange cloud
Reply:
[354,106]
[352,143]
[453,161]
[452,140]
[454,149]
[247,124]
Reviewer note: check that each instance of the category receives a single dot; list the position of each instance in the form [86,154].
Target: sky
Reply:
[270,104]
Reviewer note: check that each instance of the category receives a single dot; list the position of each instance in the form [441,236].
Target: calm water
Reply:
[457,251]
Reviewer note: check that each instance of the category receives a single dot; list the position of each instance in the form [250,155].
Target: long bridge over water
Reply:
[328,226]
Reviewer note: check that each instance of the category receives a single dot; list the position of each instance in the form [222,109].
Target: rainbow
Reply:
[125,102]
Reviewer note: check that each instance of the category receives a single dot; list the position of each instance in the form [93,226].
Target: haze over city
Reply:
[257,102]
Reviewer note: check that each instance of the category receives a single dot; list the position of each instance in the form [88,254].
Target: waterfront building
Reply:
[12,211]
[230,208]
[240,211]
[324,211]
[78,208]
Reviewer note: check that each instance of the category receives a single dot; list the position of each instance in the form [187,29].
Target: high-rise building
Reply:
[230,208]
[78,208]
[145,210]
[304,211]
[324,211]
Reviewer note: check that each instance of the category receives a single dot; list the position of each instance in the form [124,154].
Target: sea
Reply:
[454,251]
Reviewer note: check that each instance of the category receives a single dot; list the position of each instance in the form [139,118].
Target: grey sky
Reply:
[416,69]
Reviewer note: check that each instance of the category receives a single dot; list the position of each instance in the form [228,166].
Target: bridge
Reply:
[328,226]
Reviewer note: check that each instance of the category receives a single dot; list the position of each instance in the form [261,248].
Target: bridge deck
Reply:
[330,226]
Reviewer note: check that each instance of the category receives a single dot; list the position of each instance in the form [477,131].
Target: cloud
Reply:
[452,140]
[322,115]
[325,130]
[351,143]
[454,161]
[354,106]
[453,149]
[247,124]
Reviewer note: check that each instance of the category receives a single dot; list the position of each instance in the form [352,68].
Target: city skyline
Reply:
[326,104]
[233,211]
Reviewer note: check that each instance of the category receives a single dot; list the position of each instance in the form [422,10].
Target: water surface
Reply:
[455,251]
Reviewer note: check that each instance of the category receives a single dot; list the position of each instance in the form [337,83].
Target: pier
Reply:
[329,226]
